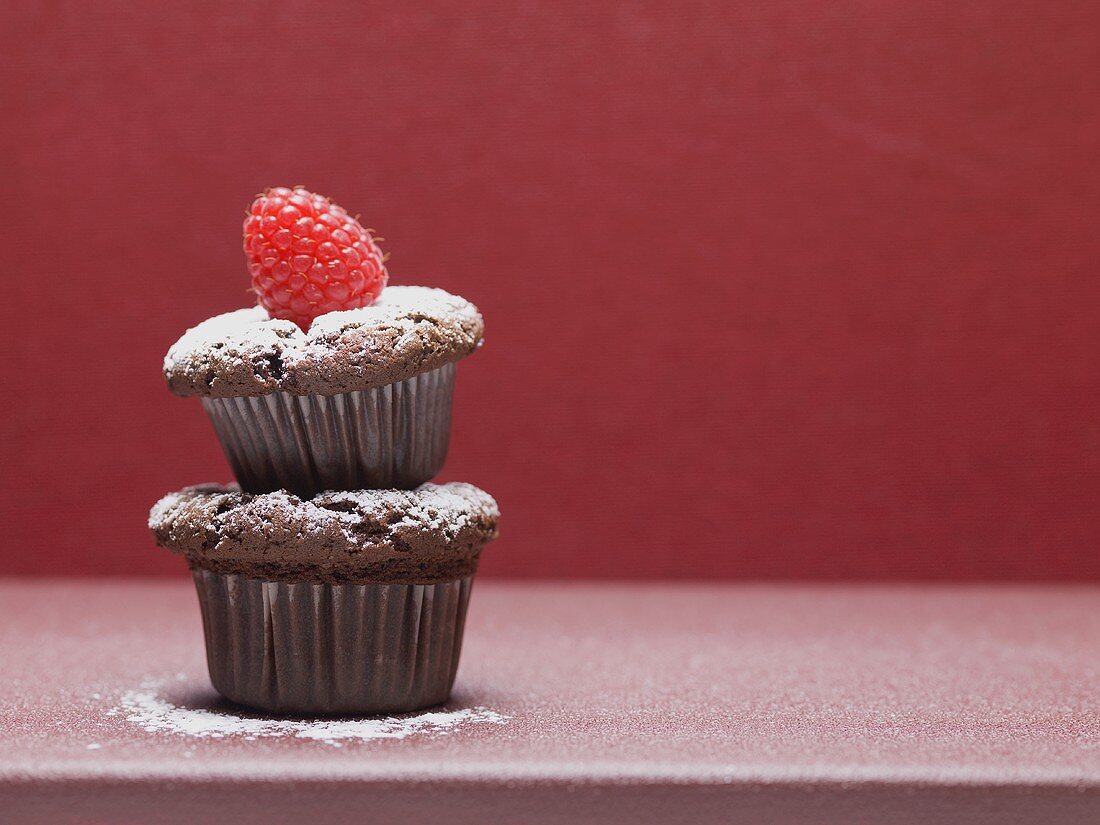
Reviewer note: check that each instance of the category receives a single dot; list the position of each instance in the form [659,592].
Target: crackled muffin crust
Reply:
[430,534]
[407,331]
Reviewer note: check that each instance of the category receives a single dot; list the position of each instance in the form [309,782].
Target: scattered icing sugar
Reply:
[240,330]
[441,508]
[252,330]
[438,509]
[401,307]
[155,714]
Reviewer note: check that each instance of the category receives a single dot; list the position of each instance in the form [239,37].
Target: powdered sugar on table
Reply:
[149,710]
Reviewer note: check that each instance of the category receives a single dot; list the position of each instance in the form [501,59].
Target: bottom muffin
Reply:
[345,603]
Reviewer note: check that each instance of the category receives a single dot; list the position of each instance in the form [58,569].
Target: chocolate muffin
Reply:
[362,398]
[347,602]
[320,595]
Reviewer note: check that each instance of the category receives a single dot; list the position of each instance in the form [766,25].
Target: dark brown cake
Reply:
[409,330]
[430,534]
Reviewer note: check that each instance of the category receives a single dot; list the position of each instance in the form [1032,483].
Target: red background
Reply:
[788,289]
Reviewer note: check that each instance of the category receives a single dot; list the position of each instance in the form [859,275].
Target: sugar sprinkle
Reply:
[155,714]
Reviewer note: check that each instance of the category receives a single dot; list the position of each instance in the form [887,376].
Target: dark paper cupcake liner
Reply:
[394,436]
[315,649]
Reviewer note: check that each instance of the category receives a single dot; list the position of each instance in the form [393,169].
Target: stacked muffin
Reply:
[331,578]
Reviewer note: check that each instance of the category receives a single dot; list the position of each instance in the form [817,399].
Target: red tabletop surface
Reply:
[595,703]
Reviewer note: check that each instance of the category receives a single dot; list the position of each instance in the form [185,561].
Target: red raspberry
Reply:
[307,256]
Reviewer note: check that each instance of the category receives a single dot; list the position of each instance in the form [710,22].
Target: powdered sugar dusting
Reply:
[218,345]
[353,518]
[240,332]
[150,711]
[443,508]
[400,307]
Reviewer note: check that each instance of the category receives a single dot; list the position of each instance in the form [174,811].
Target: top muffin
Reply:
[407,331]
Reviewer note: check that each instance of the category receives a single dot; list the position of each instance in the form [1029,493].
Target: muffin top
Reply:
[430,534]
[407,331]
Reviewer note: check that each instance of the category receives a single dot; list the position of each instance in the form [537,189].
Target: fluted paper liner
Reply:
[303,648]
[394,436]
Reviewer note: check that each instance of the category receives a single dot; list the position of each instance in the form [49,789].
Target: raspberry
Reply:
[307,256]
